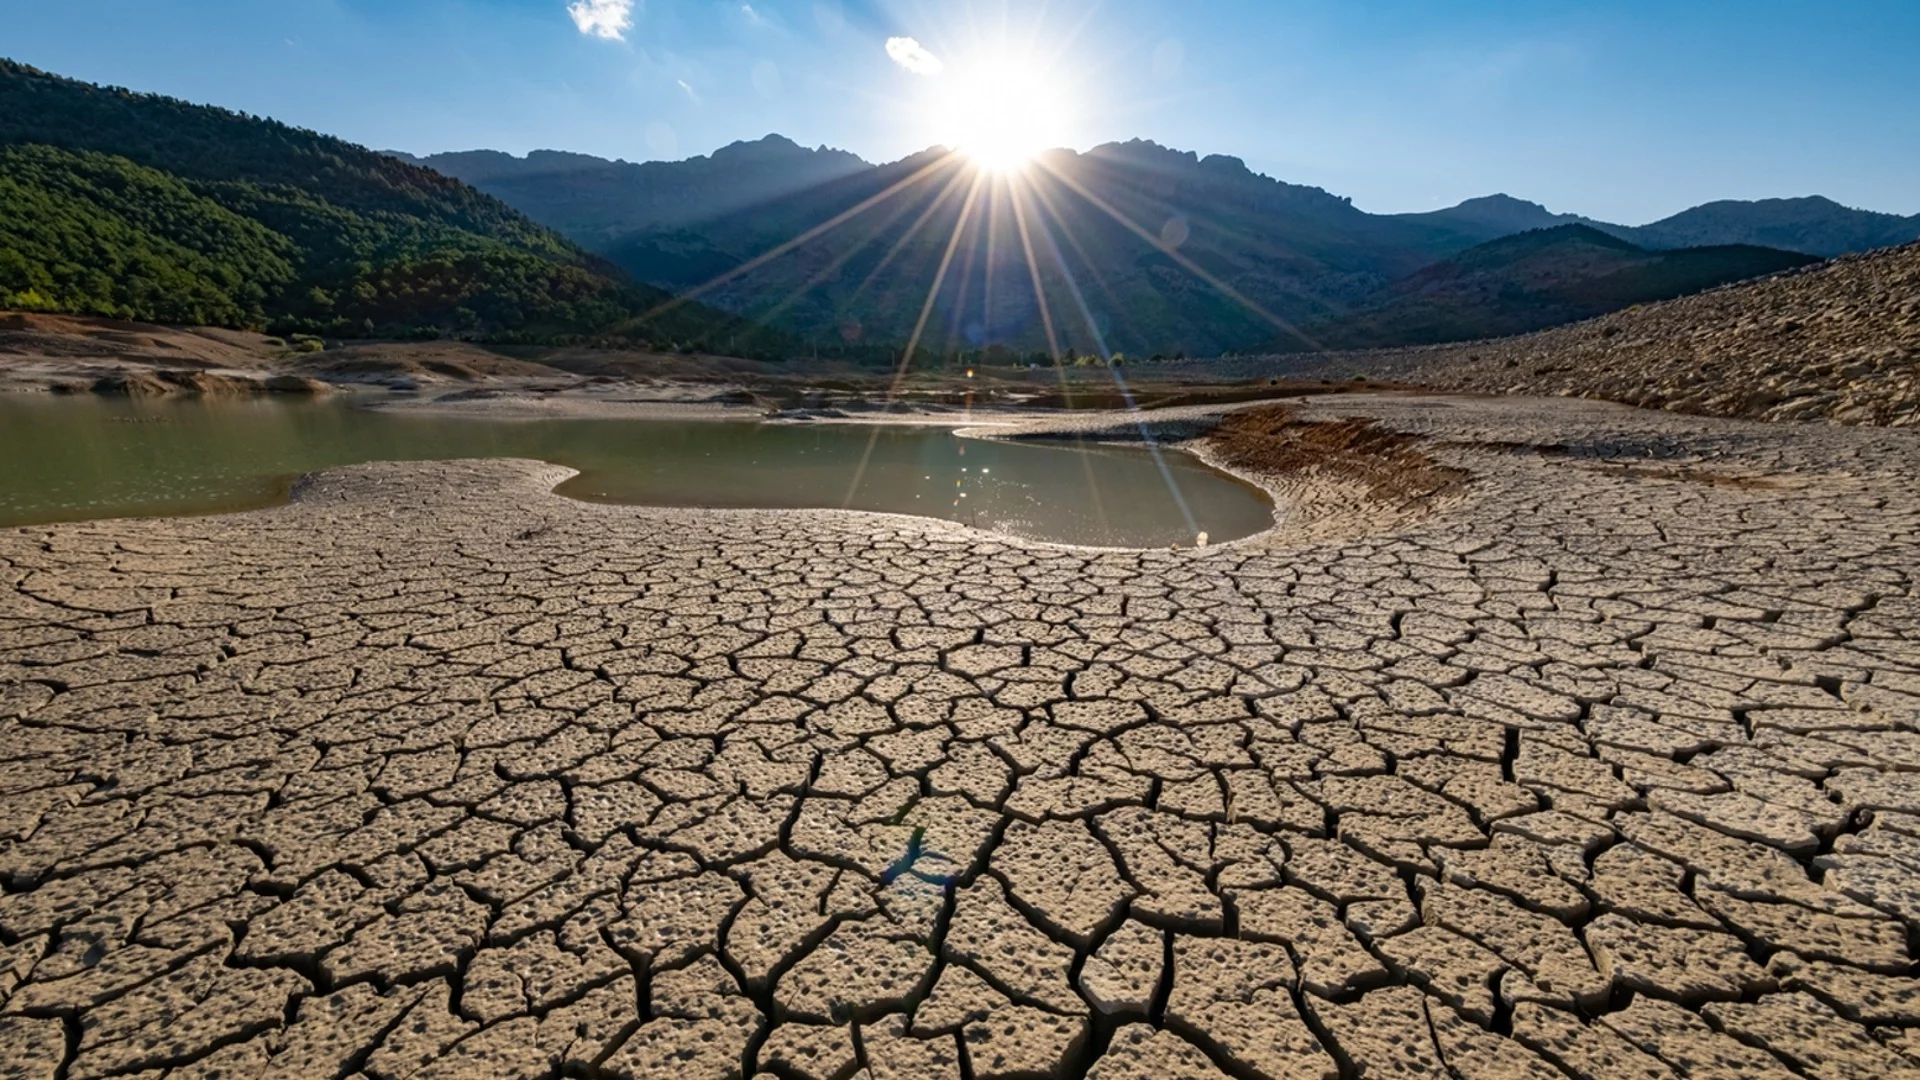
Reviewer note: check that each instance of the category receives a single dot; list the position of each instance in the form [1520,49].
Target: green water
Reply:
[83,457]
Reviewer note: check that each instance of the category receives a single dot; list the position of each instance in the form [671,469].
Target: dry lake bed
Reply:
[1605,765]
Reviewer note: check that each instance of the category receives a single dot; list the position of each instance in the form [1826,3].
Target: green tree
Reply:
[143,207]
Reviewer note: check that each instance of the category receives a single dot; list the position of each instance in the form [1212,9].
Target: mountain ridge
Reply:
[1500,211]
[592,199]
[190,212]
[1290,251]
[1811,224]
[1534,280]
[1288,255]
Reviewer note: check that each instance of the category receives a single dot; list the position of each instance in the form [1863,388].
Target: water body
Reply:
[85,457]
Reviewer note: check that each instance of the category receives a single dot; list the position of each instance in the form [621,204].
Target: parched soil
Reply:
[433,773]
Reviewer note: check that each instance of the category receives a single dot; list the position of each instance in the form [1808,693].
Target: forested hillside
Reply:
[142,207]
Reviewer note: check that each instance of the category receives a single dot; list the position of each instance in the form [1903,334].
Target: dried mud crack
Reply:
[1606,764]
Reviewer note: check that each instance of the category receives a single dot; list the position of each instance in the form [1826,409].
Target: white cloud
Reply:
[609,19]
[913,56]
[688,87]
[753,16]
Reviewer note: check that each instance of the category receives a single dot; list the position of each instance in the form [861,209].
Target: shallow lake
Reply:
[83,457]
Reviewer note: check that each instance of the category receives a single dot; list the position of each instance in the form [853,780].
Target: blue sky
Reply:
[1627,111]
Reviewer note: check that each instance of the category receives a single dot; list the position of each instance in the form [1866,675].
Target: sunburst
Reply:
[1001,110]
[999,104]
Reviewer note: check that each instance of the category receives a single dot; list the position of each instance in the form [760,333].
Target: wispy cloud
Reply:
[688,87]
[753,17]
[1500,71]
[608,19]
[913,56]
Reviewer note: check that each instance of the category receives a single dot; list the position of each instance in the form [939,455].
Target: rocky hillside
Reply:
[1839,341]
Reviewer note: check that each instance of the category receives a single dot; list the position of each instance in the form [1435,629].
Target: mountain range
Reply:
[1810,225]
[1533,280]
[594,200]
[143,207]
[1137,248]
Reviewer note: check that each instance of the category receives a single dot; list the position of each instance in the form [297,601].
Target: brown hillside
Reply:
[36,336]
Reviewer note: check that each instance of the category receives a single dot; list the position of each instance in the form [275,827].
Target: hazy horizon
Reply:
[525,154]
[1627,114]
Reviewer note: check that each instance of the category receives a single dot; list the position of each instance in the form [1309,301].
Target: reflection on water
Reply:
[69,458]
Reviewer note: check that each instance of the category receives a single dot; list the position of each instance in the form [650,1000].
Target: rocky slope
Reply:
[1838,342]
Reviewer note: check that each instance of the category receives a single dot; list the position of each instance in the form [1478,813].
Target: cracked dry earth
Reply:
[1608,768]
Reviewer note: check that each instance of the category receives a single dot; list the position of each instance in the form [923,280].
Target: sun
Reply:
[1000,112]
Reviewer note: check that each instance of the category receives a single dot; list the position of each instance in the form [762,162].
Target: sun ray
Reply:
[1073,285]
[900,243]
[1126,395]
[828,225]
[1065,45]
[986,291]
[836,263]
[1033,271]
[1093,267]
[1053,346]
[933,292]
[919,327]
[1173,253]
[957,310]
[1199,222]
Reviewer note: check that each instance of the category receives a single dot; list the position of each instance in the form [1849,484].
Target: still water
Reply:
[81,457]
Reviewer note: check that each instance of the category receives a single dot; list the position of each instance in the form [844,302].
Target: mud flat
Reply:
[1602,761]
